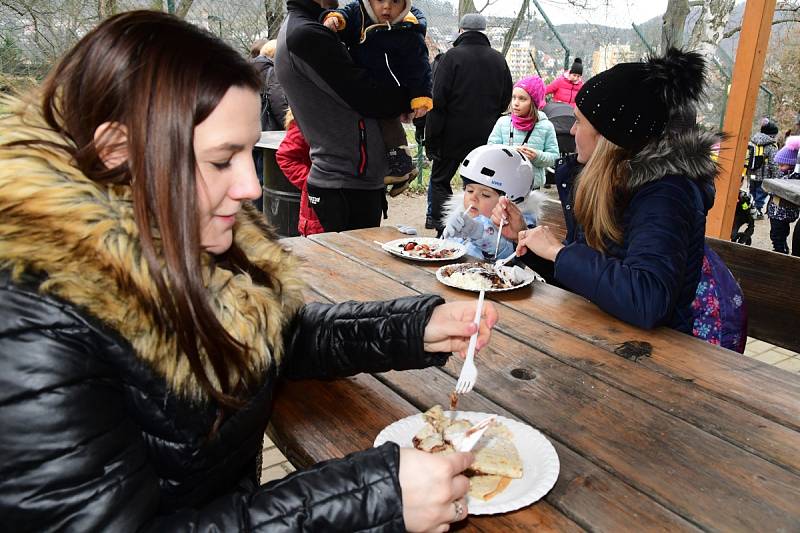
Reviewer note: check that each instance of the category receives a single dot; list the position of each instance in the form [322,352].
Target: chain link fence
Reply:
[34,33]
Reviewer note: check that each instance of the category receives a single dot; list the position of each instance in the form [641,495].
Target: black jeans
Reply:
[439,189]
[344,209]
[778,232]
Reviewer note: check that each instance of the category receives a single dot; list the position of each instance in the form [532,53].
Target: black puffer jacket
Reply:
[104,428]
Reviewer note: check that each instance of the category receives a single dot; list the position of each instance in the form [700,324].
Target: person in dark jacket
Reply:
[146,311]
[336,104]
[766,148]
[471,89]
[273,99]
[635,196]
[388,37]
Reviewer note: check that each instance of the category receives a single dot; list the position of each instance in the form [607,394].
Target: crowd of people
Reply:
[140,283]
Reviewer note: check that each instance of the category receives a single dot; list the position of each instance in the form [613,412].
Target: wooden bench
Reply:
[770,282]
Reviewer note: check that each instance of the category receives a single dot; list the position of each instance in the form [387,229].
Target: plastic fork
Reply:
[474,434]
[504,261]
[499,234]
[469,373]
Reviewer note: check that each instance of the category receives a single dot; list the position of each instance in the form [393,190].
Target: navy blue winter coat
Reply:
[393,53]
[650,278]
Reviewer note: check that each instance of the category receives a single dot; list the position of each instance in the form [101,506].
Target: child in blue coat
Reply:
[388,38]
[528,129]
[489,172]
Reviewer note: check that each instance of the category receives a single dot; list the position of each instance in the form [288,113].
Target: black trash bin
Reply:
[281,198]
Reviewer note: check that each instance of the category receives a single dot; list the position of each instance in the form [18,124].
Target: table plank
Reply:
[675,462]
[768,439]
[787,189]
[345,416]
[585,492]
[765,389]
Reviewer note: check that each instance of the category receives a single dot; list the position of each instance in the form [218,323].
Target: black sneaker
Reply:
[429,223]
[400,163]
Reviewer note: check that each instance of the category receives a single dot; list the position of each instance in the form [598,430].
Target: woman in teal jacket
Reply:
[528,129]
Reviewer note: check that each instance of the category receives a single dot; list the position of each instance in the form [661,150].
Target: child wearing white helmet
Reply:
[489,172]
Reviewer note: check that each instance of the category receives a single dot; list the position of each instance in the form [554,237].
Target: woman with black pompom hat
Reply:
[635,199]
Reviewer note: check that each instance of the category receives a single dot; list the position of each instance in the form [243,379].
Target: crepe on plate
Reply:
[497,460]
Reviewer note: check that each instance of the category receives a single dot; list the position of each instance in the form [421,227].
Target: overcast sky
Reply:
[618,13]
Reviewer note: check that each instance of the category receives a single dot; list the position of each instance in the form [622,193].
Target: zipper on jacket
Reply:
[362,148]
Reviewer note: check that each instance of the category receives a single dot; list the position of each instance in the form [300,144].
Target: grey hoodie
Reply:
[769,169]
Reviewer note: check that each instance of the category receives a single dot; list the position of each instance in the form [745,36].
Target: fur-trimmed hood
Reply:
[532,205]
[82,238]
[688,153]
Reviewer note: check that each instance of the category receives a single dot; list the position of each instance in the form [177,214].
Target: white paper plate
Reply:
[540,465]
[395,247]
[530,277]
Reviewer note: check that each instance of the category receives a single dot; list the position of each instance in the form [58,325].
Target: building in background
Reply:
[608,55]
[520,59]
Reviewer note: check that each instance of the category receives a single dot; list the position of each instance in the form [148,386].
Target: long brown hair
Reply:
[159,77]
[600,186]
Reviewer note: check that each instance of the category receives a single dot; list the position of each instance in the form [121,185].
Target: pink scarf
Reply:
[522,123]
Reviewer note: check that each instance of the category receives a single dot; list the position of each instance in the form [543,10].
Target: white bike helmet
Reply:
[499,167]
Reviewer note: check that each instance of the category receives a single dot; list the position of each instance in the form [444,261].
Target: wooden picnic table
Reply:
[786,189]
[684,437]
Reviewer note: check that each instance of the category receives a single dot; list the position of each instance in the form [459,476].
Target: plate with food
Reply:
[486,276]
[425,248]
[515,465]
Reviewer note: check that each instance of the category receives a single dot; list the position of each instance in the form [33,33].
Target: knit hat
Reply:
[534,86]
[630,103]
[577,67]
[472,21]
[788,154]
[768,127]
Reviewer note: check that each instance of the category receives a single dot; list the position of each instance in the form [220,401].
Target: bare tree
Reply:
[673,22]
[183,8]
[512,31]
[106,8]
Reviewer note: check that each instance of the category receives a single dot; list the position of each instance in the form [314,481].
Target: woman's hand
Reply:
[527,151]
[539,240]
[433,488]
[451,326]
[514,221]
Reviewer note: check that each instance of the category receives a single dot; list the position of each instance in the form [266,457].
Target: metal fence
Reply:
[34,33]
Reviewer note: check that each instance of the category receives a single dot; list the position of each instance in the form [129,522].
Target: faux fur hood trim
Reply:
[82,237]
[687,153]
[532,205]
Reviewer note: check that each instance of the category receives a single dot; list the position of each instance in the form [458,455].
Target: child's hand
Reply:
[420,112]
[464,227]
[527,151]
[332,23]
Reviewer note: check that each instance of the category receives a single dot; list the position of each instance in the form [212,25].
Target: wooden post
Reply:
[750,55]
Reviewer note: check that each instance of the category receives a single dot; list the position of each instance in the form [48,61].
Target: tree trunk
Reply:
[464,7]
[512,31]
[106,8]
[673,23]
[183,8]
[710,26]
[274,15]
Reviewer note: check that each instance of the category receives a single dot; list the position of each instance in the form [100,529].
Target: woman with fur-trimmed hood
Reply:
[146,310]
[635,196]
